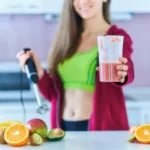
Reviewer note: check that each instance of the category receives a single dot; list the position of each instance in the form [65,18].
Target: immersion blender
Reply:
[33,78]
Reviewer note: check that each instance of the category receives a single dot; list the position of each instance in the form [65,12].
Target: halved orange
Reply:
[17,135]
[142,134]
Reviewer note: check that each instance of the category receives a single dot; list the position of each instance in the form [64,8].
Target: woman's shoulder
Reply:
[116,30]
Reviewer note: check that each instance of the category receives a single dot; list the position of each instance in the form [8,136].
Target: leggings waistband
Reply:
[81,125]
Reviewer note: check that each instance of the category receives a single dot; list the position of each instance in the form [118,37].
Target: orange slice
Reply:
[17,135]
[142,134]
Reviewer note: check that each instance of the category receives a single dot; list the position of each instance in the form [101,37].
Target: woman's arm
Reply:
[46,86]
[127,52]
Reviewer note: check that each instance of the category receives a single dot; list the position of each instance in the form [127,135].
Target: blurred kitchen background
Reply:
[33,23]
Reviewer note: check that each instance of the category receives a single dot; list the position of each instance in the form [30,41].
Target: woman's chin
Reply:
[86,17]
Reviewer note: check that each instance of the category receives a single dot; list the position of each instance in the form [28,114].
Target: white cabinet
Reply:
[138,112]
[10,111]
[117,6]
[138,105]
[134,116]
[11,115]
[55,7]
[133,6]
[14,111]
[145,117]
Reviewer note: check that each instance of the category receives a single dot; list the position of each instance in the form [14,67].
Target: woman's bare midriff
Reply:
[77,105]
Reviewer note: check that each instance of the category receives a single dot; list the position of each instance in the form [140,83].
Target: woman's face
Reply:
[88,8]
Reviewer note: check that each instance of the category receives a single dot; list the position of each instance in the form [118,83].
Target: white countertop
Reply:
[87,141]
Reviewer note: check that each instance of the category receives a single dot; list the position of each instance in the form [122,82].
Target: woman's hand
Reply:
[23,56]
[121,69]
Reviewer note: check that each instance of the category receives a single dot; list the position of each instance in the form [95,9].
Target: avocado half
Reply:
[56,134]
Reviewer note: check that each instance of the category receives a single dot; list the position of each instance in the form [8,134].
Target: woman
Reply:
[79,101]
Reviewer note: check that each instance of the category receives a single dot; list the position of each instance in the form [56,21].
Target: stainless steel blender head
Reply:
[42,108]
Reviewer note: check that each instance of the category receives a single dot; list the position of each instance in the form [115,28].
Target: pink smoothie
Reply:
[108,72]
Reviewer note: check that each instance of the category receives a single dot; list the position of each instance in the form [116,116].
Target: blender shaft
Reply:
[38,97]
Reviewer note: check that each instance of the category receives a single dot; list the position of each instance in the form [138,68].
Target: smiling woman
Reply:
[79,101]
[92,8]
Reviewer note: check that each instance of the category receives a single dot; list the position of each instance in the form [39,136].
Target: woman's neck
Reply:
[96,24]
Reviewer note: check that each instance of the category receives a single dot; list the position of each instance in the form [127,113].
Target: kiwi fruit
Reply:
[131,138]
[2,139]
[36,139]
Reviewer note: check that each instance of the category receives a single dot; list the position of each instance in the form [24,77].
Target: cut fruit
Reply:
[2,140]
[56,134]
[17,135]
[132,129]
[142,134]
[131,138]
[36,139]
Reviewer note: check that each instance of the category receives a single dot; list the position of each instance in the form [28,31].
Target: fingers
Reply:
[122,73]
[97,68]
[123,60]
[23,59]
[23,56]
[122,80]
[19,54]
[122,67]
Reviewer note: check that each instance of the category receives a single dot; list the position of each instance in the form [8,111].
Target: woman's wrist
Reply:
[40,72]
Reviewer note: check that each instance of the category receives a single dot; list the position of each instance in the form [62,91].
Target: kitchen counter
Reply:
[87,141]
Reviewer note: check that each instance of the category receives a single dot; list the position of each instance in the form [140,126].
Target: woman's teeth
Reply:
[85,8]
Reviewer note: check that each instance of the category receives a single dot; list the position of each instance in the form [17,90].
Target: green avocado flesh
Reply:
[56,134]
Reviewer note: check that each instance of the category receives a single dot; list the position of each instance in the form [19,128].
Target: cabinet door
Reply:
[145,116]
[134,116]
[130,6]
[14,111]
[11,111]
[11,115]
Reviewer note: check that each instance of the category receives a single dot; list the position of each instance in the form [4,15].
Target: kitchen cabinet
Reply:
[145,117]
[134,115]
[55,7]
[14,111]
[130,6]
[138,112]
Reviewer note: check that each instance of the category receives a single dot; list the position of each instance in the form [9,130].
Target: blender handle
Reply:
[31,69]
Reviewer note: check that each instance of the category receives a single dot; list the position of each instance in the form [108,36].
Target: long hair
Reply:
[68,34]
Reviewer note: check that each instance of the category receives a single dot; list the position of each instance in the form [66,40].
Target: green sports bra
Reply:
[79,71]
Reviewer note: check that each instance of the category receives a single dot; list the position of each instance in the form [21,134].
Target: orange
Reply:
[16,135]
[142,134]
